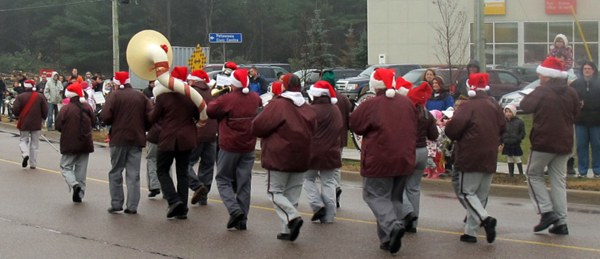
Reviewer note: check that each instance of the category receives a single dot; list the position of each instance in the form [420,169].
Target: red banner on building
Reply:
[560,6]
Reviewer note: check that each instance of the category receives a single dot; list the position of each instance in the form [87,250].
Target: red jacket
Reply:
[286,131]
[207,133]
[326,151]
[554,106]
[477,126]
[389,130]
[234,112]
[176,114]
[37,113]
[75,122]
[127,111]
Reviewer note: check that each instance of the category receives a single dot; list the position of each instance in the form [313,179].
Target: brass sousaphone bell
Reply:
[140,53]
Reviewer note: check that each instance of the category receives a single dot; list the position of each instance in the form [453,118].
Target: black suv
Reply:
[354,87]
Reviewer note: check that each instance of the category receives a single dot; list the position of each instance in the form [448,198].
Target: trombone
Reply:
[218,91]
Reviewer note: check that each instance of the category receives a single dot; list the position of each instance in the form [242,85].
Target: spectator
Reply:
[511,139]
[440,99]
[461,92]
[257,84]
[587,124]
[52,92]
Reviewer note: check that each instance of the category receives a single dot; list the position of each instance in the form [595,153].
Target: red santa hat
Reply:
[239,78]
[477,82]
[552,67]
[180,72]
[420,94]
[383,78]
[403,86]
[229,67]
[73,90]
[30,84]
[323,88]
[200,75]
[121,78]
[277,88]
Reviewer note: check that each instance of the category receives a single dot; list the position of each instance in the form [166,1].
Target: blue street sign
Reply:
[225,38]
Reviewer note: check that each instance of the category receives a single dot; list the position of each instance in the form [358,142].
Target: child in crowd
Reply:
[511,139]
[435,161]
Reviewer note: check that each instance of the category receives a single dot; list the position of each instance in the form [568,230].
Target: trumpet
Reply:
[218,91]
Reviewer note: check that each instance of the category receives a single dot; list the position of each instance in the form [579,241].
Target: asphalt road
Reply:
[38,220]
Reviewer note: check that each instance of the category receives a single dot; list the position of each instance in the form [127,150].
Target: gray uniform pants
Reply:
[556,199]
[384,197]
[128,158]
[206,153]
[412,192]
[29,143]
[285,189]
[323,196]
[74,169]
[474,188]
[235,168]
[151,153]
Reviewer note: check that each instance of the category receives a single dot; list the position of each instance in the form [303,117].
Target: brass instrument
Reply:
[218,91]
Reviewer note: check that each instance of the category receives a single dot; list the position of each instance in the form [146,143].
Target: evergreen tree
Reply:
[316,51]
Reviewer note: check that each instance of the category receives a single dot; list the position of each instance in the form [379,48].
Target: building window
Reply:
[501,46]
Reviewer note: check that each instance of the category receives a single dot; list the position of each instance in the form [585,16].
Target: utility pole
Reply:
[115,35]
[479,34]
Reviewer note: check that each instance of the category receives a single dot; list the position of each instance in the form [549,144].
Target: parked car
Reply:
[285,66]
[311,76]
[269,73]
[354,87]
[501,81]
[515,97]
[212,67]
[526,72]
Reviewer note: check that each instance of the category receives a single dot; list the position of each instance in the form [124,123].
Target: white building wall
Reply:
[403,29]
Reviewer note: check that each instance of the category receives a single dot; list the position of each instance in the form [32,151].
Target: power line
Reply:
[49,5]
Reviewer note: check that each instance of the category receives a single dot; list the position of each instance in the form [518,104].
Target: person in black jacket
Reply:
[511,139]
[587,124]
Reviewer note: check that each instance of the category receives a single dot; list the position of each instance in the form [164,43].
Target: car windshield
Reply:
[532,85]
[414,76]
[367,72]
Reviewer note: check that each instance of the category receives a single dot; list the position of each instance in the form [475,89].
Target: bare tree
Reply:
[451,40]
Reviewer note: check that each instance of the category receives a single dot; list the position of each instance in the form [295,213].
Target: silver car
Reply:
[515,97]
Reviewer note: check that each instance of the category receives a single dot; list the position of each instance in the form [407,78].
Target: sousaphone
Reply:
[150,55]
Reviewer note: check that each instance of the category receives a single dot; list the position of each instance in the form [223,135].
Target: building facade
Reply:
[402,31]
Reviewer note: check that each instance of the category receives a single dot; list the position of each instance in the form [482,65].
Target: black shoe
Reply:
[198,194]
[409,223]
[338,193]
[559,230]
[468,239]
[112,210]
[128,211]
[294,225]
[489,224]
[283,236]
[319,214]
[153,193]
[396,240]
[241,226]
[385,246]
[76,193]
[547,219]
[182,214]
[175,209]
[24,163]
[234,219]
[203,201]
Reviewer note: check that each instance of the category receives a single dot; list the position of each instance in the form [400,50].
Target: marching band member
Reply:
[206,149]
[234,113]
[32,109]
[326,153]
[176,114]
[286,127]
[388,156]
[476,127]
[126,110]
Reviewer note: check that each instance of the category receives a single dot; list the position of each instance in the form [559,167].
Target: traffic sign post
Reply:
[224,38]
